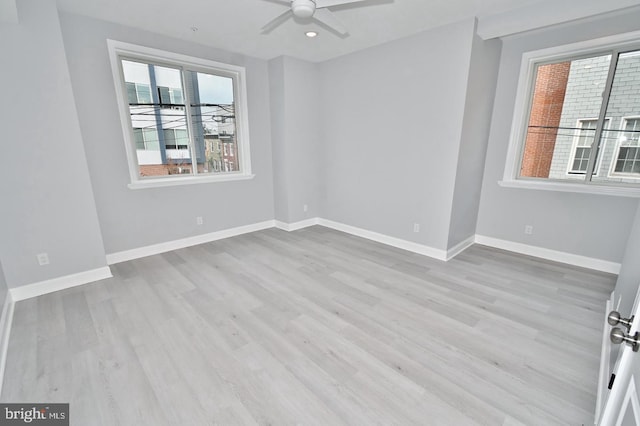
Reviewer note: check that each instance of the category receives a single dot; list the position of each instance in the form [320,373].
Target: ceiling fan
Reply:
[310,9]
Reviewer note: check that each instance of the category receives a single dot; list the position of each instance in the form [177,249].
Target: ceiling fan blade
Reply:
[326,17]
[329,3]
[278,20]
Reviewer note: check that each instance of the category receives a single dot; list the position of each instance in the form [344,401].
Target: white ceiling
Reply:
[235,25]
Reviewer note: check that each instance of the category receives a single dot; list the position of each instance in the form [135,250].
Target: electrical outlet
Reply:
[305,208]
[199,220]
[43,259]
[416,227]
[528,229]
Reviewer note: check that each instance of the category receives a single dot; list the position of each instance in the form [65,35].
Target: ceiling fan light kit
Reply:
[303,8]
[311,9]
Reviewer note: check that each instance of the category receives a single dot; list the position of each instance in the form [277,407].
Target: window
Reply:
[583,141]
[627,158]
[172,109]
[138,93]
[170,97]
[146,139]
[582,151]
[176,139]
[577,114]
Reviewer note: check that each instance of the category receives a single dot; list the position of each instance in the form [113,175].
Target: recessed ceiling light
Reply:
[311,34]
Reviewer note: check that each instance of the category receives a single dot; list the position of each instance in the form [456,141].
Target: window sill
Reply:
[572,187]
[187,180]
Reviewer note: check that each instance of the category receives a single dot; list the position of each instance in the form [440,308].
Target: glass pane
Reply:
[581,160]
[151,139]
[165,150]
[138,138]
[182,139]
[176,96]
[132,95]
[563,113]
[169,138]
[164,95]
[618,152]
[144,93]
[214,122]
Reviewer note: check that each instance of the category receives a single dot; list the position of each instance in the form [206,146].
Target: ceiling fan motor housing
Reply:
[303,8]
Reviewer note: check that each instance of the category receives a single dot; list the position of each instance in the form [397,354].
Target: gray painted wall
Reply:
[483,75]
[588,225]
[278,135]
[47,200]
[392,116]
[298,146]
[137,218]
[3,286]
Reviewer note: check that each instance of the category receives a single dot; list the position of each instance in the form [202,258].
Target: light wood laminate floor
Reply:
[316,327]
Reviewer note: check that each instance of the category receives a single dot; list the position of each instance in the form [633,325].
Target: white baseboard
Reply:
[5,331]
[385,239]
[554,255]
[49,286]
[460,247]
[296,225]
[154,249]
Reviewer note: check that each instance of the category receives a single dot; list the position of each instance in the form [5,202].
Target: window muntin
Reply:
[175,110]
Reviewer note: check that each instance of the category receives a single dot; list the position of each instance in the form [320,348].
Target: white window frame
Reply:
[119,50]
[574,146]
[519,124]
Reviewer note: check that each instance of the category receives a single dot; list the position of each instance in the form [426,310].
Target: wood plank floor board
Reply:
[451,361]
[405,386]
[178,401]
[98,292]
[444,354]
[445,341]
[275,344]
[433,380]
[316,327]
[91,396]
[55,373]
[524,292]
